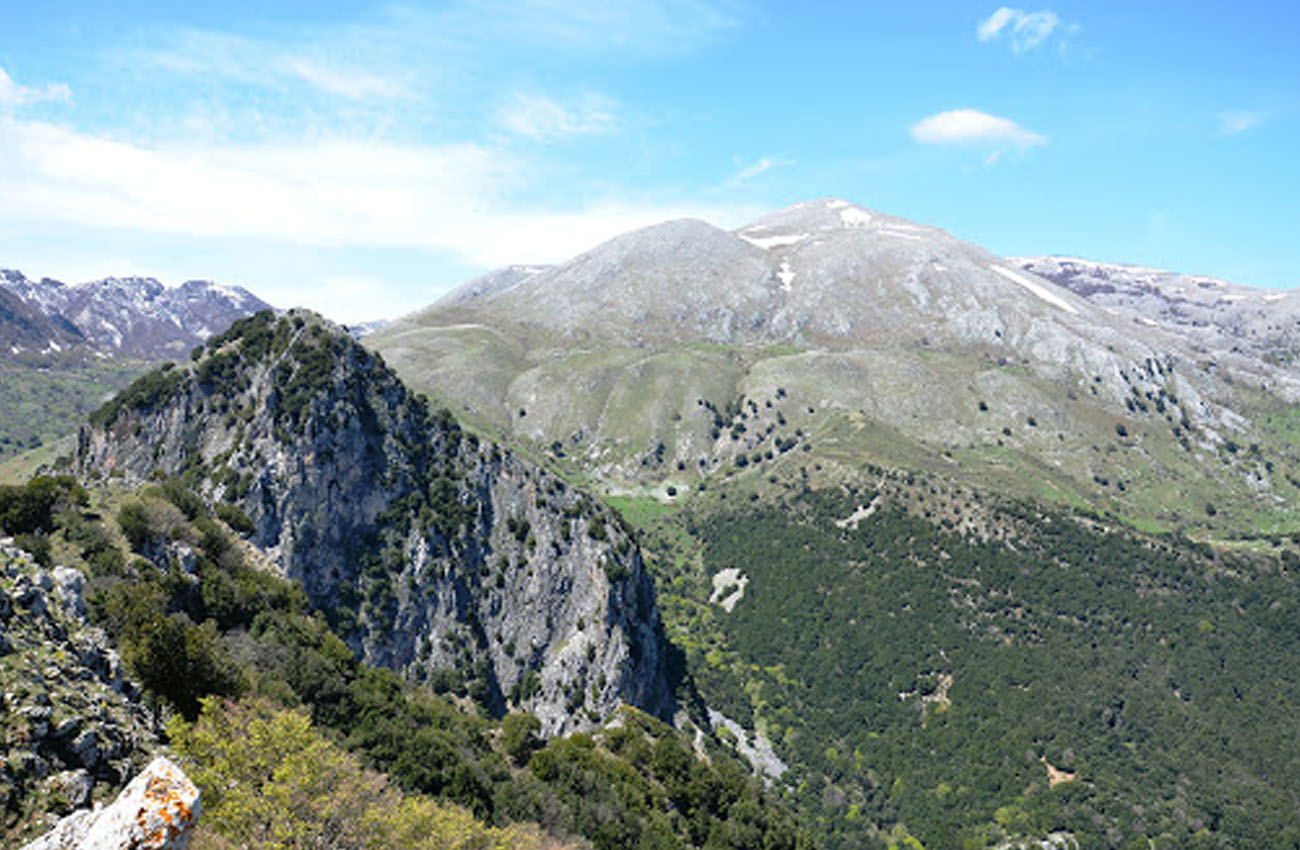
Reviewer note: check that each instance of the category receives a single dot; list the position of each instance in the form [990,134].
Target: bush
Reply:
[519,736]
[234,516]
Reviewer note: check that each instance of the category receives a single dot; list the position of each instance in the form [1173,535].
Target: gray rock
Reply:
[86,748]
[71,788]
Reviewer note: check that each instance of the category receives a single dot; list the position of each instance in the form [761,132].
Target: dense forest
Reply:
[945,689]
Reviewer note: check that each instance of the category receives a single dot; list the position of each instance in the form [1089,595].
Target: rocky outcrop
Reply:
[157,811]
[437,554]
[73,725]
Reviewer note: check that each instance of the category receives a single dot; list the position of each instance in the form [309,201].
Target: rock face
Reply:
[134,317]
[437,554]
[1217,316]
[74,725]
[156,811]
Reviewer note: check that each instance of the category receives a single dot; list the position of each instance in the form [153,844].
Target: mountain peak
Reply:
[826,216]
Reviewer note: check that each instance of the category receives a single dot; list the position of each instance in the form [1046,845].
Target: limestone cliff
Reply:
[445,557]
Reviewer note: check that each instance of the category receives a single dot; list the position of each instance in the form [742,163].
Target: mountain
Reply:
[434,553]
[25,328]
[682,354]
[68,348]
[134,317]
[981,552]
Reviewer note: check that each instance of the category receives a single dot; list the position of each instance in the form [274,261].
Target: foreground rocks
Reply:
[73,725]
[157,811]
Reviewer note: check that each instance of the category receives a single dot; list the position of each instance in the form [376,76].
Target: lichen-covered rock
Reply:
[435,553]
[71,723]
[156,811]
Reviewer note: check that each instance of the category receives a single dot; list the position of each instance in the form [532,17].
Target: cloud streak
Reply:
[451,199]
[1023,30]
[1240,121]
[754,169]
[542,118]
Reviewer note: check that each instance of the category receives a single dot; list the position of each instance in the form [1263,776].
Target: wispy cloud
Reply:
[344,82]
[1023,30]
[452,199]
[13,95]
[1241,120]
[542,118]
[760,166]
[642,26]
[972,127]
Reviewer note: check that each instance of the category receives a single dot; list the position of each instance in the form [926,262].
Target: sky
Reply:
[362,159]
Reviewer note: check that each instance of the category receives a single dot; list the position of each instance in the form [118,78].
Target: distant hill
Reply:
[134,317]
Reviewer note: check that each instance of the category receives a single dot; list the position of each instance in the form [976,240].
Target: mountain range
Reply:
[132,317]
[66,348]
[953,550]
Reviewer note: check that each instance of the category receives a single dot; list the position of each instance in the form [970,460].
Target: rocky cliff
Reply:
[445,557]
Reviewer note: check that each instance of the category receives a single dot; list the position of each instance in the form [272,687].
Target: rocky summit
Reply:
[436,553]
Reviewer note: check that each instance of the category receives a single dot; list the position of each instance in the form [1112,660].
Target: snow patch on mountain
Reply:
[769,242]
[1036,288]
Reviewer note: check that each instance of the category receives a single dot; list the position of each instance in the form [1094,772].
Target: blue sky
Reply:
[362,159]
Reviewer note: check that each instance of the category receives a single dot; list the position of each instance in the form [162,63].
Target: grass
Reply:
[641,511]
[610,408]
[40,402]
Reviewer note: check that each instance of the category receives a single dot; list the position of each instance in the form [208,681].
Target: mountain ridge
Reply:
[135,317]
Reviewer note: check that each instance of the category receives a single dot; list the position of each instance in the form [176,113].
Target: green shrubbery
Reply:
[194,621]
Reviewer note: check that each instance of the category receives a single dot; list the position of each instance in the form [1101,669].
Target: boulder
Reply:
[157,811]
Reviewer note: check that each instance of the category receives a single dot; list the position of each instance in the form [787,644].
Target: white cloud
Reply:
[542,118]
[449,199]
[1024,30]
[970,126]
[13,95]
[1239,121]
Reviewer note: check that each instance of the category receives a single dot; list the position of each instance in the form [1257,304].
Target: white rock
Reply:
[156,811]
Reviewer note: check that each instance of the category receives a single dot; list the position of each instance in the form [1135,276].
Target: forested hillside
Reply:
[933,662]
[170,580]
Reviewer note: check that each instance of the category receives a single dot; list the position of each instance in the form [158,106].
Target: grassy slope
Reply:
[42,401]
[605,413]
